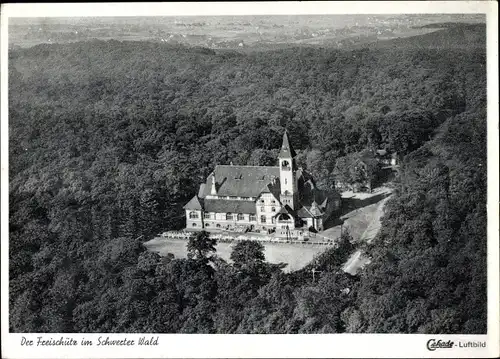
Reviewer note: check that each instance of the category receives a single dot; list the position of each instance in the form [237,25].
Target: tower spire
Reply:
[288,180]
[286,149]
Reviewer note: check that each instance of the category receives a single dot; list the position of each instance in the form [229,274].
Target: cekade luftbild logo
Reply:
[434,344]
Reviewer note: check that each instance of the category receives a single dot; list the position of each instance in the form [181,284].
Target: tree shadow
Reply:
[333,222]
[351,204]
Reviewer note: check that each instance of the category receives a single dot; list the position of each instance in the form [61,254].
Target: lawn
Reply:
[296,255]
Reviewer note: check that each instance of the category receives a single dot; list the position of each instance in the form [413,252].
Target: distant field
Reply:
[296,255]
[249,32]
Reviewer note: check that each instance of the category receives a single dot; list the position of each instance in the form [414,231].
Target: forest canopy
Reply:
[109,139]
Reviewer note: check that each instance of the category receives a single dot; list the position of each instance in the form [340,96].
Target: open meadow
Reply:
[296,255]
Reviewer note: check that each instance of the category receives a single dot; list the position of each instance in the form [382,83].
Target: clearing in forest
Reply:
[361,218]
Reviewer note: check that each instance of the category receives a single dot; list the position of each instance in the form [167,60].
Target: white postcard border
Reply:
[265,346]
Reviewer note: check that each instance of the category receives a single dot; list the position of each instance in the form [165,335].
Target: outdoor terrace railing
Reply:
[314,238]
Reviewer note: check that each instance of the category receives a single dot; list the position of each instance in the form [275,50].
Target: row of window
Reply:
[239,217]
[272,201]
[236,198]
[262,201]
[206,225]
[216,225]
[230,216]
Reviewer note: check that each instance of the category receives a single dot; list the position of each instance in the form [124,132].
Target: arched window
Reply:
[283,217]
[193,215]
[262,209]
[229,216]
[194,224]
[252,218]
[240,217]
[273,209]
[263,219]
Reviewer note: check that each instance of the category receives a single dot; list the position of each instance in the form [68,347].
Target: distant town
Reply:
[231,33]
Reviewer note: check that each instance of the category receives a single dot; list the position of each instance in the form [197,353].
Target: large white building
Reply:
[282,199]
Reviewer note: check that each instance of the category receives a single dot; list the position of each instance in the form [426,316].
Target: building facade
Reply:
[282,200]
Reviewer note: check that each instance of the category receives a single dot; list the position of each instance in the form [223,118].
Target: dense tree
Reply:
[200,245]
[108,140]
[247,254]
[355,169]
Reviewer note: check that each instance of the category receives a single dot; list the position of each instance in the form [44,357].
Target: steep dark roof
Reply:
[313,201]
[194,203]
[286,147]
[303,212]
[229,206]
[242,181]
[315,210]
[286,209]
[312,194]
[266,189]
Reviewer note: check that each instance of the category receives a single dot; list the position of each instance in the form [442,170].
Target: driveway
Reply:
[357,260]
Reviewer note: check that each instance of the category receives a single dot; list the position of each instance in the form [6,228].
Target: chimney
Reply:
[213,191]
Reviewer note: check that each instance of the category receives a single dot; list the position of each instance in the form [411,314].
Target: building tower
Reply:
[288,178]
